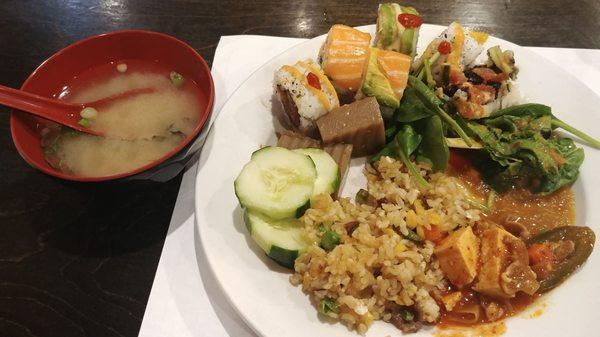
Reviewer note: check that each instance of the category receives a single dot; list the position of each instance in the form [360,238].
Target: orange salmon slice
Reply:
[344,56]
[395,66]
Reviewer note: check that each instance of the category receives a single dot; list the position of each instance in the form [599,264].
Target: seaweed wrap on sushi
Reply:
[398,28]
[343,56]
[305,94]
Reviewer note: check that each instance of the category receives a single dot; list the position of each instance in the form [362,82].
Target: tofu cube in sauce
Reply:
[458,256]
[505,266]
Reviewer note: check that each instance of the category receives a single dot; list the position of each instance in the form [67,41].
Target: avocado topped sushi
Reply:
[398,28]
[384,77]
[451,53]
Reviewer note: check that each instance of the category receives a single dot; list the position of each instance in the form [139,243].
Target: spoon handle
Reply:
[39,105]
[44,107]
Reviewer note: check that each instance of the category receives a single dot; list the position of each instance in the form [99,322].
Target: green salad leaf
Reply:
[524,151]
[430,100]
[411,108]
[404,144]
[519,141]
[433,147]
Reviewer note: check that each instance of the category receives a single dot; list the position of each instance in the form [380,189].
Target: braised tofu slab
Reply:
[291,140]
[341,153]
[458,256]
[504,265]
[358,123]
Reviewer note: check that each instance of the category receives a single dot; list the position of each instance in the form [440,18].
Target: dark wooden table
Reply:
[79,259]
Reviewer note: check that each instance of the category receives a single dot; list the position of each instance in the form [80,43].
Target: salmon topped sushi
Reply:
[395,66]
[385,77]
[305,94]
[343,57]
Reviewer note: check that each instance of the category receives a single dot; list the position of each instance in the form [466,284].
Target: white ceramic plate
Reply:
[260,290]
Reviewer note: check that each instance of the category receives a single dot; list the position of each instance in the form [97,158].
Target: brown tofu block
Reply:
[341,153]
[458,256]
[291,140]
[358,123]
[495,255]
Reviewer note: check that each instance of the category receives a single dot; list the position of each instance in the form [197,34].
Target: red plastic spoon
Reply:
[56,110]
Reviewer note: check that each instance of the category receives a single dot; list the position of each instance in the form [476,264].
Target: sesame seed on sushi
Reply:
[305,94]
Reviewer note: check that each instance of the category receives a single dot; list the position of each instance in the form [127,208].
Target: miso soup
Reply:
[139,128]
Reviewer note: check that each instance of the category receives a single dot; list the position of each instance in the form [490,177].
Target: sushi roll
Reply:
[475,101]
[398,28]
[305,94]
[385,76]
[343,56]
[452,52]
[489,87]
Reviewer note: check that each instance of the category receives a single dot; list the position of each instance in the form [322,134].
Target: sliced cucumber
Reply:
[277,182]
[328,172]
[282,240]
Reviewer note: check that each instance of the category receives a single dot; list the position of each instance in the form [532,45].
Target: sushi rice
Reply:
[311,102]
[467,42]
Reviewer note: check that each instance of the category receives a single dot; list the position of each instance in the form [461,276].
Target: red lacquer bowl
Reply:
[50,77]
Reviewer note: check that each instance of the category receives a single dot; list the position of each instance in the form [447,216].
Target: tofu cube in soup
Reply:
[359,124]
[504,265]
[458,256]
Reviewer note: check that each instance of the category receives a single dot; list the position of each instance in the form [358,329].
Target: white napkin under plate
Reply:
[185,299]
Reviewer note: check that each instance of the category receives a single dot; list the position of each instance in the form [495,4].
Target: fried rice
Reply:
[376,268]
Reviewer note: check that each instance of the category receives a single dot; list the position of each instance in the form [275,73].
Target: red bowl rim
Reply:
[202,121]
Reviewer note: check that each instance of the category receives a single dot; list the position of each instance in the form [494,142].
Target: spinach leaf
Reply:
[557,123]
[407,140]
[528,109]
[434,103]
[404,144]
[536,110]
[387,151]
[433,146]
[520,143]
[569,169]
[411,108]
[390,132]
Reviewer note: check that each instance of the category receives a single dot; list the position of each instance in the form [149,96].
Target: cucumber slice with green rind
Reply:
[328,171]
[277,182]
[284,257]
[281,240]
